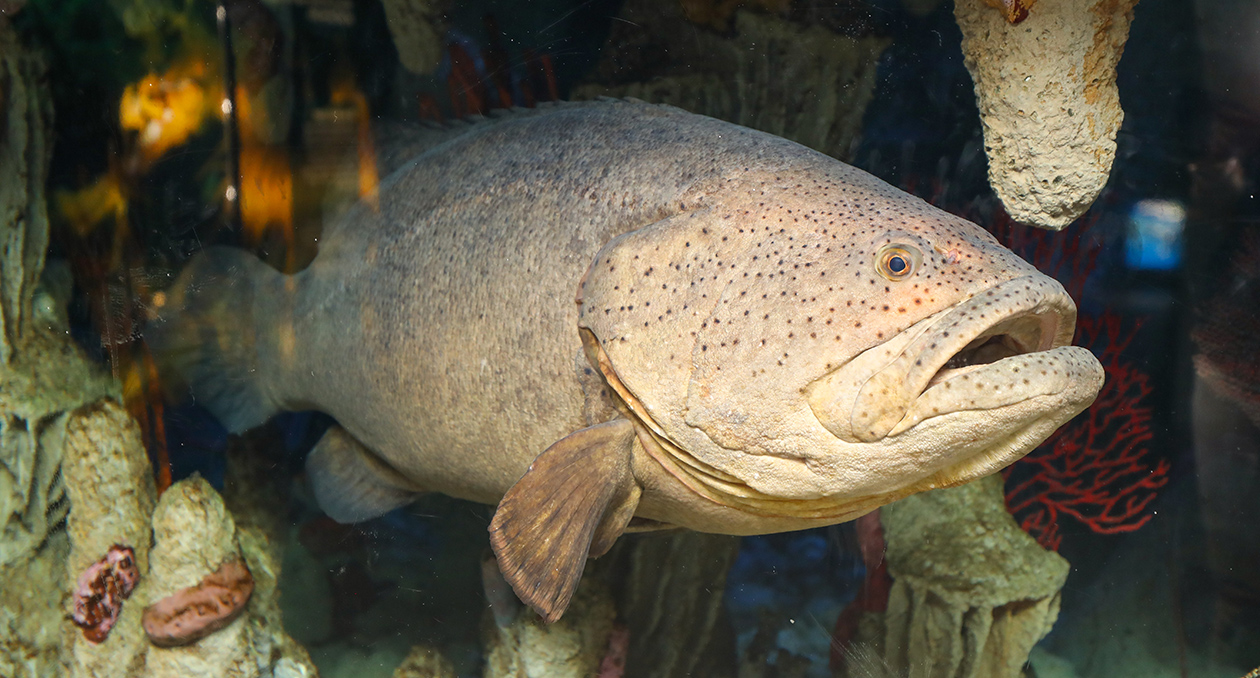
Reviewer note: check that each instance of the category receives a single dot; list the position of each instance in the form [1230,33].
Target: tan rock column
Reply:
[972,592]
[43,377]
[1046,88]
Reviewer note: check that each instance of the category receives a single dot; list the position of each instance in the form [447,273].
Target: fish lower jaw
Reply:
[1005,451]
[1069,377]
[947,373]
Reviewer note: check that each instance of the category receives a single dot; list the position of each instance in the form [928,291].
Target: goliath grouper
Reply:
[615,316]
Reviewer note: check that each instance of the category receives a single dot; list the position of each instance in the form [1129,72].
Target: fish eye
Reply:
[897,262]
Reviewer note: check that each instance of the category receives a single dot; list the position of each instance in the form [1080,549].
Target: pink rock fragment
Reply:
[197,611]
[100,591]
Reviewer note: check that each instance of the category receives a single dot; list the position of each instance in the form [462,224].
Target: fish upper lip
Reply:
[1025,315]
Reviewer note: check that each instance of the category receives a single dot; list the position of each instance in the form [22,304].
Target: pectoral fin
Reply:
[351,483]
[573,502]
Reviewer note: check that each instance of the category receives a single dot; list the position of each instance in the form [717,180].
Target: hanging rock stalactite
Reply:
[1046,88]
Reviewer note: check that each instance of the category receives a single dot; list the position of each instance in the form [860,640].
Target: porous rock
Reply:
[193,536]
[30,612]
[41,447]
[425,661]
[110,485]
[972,592]
[25,118]
[1046,89]
[573,647]
[71,456]
[43,377]
[112,495]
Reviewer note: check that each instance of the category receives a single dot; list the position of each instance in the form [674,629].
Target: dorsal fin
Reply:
[398,143]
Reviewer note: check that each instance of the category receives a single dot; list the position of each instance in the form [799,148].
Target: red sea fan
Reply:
[1069,256]
[1094,469]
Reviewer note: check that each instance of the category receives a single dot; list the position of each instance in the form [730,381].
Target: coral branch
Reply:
[1095,469]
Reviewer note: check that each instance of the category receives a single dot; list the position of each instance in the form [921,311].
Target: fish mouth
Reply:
[1011,337]
[1004,346]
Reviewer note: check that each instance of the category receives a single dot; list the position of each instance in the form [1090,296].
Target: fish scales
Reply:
[613,316]
[453,306]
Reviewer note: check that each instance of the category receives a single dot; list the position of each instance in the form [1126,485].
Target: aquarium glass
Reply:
[642,338]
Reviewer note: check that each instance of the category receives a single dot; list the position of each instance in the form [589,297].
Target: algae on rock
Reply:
[972,592]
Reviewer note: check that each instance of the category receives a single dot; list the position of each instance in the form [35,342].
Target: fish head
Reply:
[812,342]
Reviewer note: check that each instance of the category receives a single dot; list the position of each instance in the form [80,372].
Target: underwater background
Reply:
[173,125]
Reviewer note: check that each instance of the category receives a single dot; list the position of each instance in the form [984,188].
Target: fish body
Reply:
[613,315]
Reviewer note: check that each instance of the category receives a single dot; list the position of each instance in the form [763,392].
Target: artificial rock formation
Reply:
[43,379]
[179,542]
[527,647]
[670,589]
[43,388]
[665,591]
[42,375]
[110,487]
[416,28]
[425,661]
[25,119]
[1046,88]
[76,485]
[806,83]
[972,593]
[194,535]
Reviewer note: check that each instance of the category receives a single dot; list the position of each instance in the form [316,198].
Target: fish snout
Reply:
[867,399]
